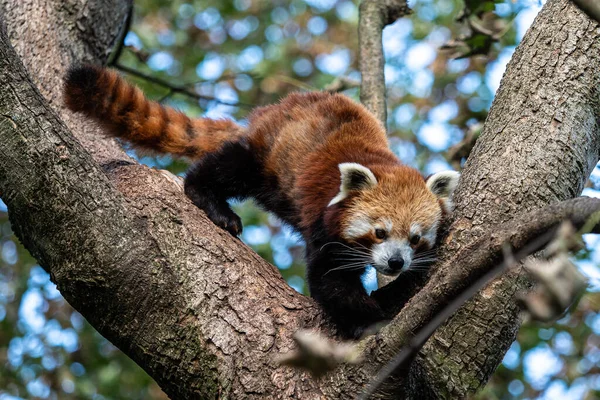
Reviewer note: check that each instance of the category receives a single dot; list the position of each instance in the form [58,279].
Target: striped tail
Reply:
[124,111]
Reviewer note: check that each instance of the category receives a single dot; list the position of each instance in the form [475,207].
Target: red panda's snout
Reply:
[393,249]
[402,251]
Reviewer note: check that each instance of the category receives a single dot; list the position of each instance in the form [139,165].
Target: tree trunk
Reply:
[197,309]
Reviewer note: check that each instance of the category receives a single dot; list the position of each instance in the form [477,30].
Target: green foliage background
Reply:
[251,53]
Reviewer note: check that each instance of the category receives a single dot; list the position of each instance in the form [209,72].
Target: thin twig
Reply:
[294,82]
[178,89]
[340,84]
[166,96]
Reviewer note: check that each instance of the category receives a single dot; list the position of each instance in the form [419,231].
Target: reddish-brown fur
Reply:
[306,136]
[287,159]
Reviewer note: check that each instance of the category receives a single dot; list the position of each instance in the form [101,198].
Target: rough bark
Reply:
[197,309]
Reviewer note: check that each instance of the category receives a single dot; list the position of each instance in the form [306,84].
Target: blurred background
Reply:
[222,58]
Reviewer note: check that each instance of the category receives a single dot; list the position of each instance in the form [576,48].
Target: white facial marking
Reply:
[382,252]
[448,205]
[443,184]
[358,227]
[388,224]
[415,229]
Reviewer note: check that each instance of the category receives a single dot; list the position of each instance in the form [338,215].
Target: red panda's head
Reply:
[390,214]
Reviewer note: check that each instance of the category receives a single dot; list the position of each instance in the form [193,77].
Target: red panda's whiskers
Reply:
[348,267]
[363,246]
[344,245]
[351,258]
[424,260]
[351,253]
[425,264]
[418,268]
[423,255]
[426,253]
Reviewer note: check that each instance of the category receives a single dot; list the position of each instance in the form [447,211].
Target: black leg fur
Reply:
[228,173]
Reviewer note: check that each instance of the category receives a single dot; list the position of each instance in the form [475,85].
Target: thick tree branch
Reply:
[374,16]
[110,262]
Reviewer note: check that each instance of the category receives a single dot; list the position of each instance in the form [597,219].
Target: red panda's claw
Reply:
[234,225]
[226,219]
[229,221]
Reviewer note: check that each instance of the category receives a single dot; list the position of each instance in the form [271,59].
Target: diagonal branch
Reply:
[145,267]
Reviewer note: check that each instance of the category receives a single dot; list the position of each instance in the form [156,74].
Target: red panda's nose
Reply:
[396,263]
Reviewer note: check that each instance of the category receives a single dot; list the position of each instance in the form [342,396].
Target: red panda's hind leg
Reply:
[229,173]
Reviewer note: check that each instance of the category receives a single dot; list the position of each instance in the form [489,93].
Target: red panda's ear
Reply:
[442,185]
[353,176]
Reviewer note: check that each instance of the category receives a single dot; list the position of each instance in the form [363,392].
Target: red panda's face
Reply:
[393,217]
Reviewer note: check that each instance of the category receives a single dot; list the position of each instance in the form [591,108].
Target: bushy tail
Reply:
[126,113]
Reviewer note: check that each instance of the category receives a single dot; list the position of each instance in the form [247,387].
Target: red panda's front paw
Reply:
[227,220]
[234,225]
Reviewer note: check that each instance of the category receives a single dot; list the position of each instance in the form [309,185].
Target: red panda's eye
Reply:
[415,239]
[380,233]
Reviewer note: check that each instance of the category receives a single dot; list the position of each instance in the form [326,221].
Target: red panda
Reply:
[319,161]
